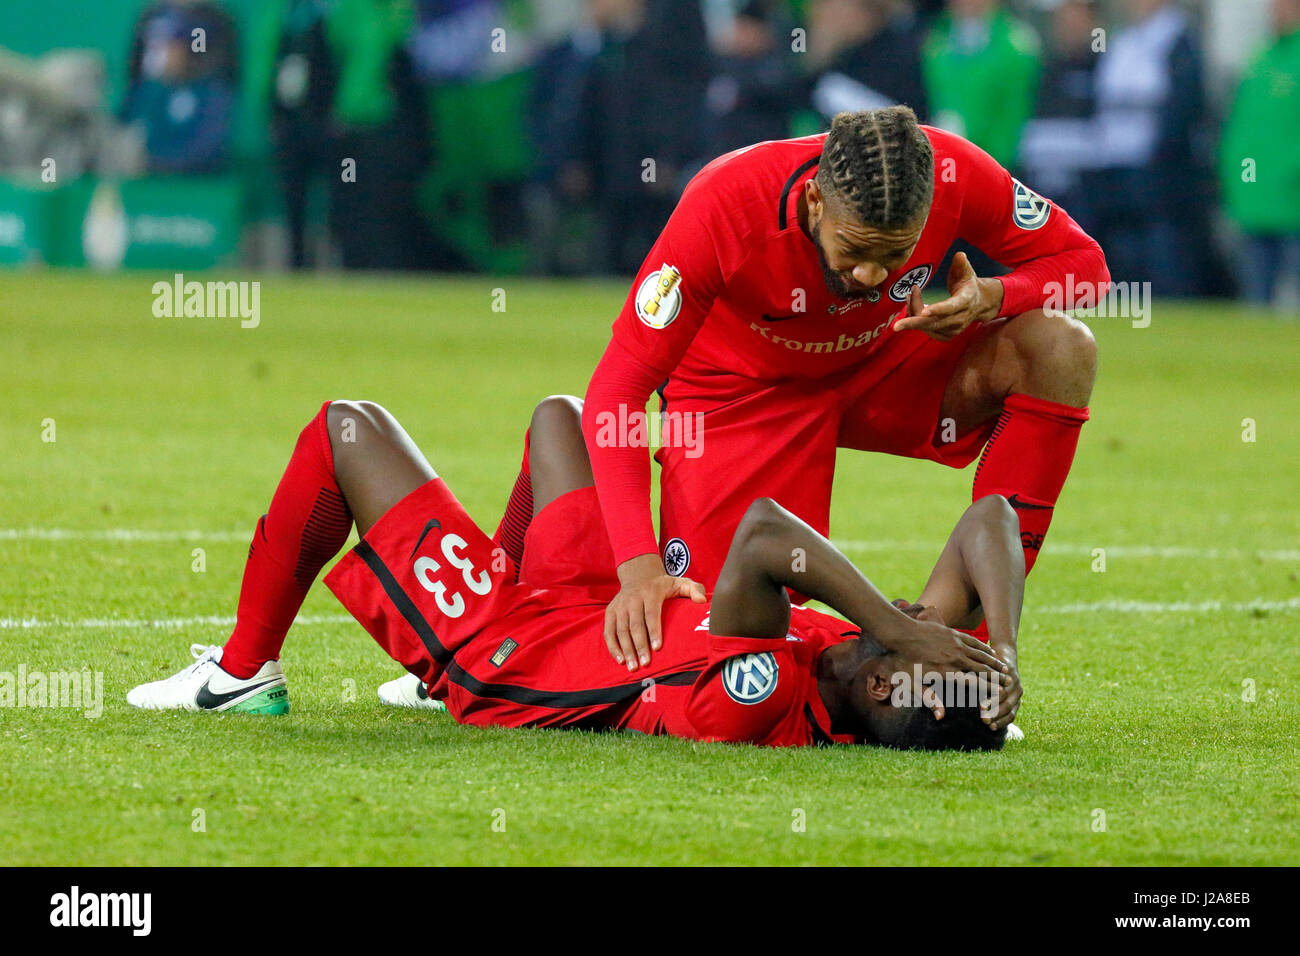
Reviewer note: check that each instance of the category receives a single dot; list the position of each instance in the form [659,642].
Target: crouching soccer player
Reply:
[519,644]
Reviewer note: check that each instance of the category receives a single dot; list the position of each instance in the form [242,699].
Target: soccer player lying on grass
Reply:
[520,646]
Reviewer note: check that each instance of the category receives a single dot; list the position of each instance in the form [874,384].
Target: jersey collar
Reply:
[787,209]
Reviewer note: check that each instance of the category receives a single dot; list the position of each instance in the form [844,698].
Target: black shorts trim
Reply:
[515,693]
[560,699]
[402,601]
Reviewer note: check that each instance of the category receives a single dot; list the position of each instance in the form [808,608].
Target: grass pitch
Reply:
[1160,707]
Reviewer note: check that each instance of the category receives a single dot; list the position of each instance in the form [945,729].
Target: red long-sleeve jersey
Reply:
[732,297]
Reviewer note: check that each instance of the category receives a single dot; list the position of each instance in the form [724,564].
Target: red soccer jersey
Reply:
[762,690]
[732,297]
[544,665]
[424,582]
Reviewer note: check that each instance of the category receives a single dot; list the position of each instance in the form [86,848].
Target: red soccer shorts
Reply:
[780,442]
[434,591]
[424,580]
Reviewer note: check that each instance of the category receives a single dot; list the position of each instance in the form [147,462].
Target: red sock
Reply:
[306,525]
[1027,461]
[519,513]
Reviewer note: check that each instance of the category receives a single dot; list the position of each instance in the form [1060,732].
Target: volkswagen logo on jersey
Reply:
[1030,210]
[912,279]
[677,557]
[659,297]
[751,678]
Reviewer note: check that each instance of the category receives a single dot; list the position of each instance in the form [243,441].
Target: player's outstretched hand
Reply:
[970,299]
[632,620]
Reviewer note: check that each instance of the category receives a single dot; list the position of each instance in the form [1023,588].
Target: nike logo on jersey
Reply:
[432,523]
[1015,502]
[206,699]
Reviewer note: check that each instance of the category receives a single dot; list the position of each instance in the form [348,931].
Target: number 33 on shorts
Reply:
[451,603]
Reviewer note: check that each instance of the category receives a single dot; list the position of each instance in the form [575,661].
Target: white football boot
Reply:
[205,686]
[1014,733]
[408,691]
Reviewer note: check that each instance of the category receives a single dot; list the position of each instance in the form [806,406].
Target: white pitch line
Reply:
[1088,607]
[860,546]
[106,623]
[120,534]
[1176,607]
[1086,551]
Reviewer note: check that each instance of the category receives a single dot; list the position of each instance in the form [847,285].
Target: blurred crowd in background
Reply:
[554,136]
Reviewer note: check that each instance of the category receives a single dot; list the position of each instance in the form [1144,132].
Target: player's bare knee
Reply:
[994,508]
[1075,341]
[556,425]
[1055,356]
[558,412]
[355,426]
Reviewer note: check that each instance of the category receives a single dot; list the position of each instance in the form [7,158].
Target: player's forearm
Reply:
[793,555]
[1065,279]
[615,430]
[622,477]
[989,543]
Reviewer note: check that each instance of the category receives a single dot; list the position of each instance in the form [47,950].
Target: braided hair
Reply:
[878,165]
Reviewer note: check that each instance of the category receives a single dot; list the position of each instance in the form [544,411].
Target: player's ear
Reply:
[879,686]
[813,194]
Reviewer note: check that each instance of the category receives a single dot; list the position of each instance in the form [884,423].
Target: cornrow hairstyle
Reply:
[878,165]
